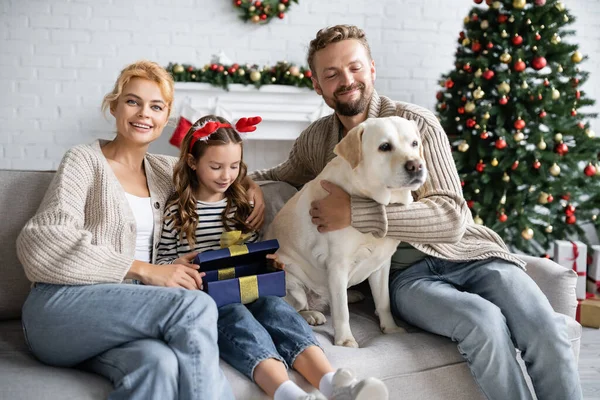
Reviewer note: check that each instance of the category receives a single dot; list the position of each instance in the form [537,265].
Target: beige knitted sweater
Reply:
[84,231]
[438,223]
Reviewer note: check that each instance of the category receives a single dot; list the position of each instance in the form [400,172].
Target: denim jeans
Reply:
[151,342]
[490,307]
[266,328]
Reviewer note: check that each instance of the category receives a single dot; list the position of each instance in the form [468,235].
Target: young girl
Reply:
[263,338]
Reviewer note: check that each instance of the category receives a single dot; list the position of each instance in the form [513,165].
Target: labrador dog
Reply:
[379,159]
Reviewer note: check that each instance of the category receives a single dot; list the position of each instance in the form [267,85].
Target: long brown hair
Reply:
[186,183]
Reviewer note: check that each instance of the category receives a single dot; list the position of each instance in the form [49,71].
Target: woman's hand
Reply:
[257,201]
[274,262]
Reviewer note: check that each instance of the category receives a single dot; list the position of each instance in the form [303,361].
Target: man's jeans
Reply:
[489,307]
[151,342]
[266,328]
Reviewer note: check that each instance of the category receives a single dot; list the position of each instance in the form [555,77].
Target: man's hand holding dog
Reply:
[334,211]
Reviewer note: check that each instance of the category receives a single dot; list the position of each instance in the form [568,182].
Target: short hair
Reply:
[335,34]
[146,70]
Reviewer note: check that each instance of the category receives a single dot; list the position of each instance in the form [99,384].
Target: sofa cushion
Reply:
[21,192]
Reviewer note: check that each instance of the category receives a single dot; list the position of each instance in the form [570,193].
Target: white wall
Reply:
[58,58]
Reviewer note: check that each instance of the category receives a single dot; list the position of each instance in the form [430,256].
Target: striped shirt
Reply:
[208,232]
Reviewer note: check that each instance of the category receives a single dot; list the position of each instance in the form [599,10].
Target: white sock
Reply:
[326,384]
[288,390]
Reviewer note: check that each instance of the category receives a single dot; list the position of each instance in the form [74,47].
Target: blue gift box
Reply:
[240,274]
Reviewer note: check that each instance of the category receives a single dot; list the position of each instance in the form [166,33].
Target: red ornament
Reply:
[484,135]
[550,198]
[546,83]
[503,100]
[562,149]
[439,95]
[461,110]
[502,217]
[190,68]
[566,197]
[470,203]
[519,124]
[490,45]
[590,170]
[476,47]
[258,4]
[213,67]
[462,183]
[474,17]
[538,62]
[581,125]
[502,18]
[488,74]
[461,35]
[573,112]
[467,68]
[238,3]
[307,74]
[575,82]
[517,40]
[519,66]
[284,1]
[569,210]
[571,219]
[449,84]
[480,166]
[478,1]
[463,99]
[221,68]
[540,97]
[537,164]
[538,36]
[263,16]
[471,123]
[443,106]
[500,144]
[577,94]
[281,15]
[515,165]
[231,70]
[542,114]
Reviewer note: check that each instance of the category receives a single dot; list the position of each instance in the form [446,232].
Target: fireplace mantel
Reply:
[285,110]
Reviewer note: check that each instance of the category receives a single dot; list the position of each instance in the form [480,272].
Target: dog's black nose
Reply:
[413,166]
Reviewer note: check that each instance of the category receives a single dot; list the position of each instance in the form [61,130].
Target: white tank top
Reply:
[144,221]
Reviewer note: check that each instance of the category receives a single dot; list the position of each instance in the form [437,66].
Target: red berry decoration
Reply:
[484,135]
[462,183]
[461,110]
[562,149]
[503,100]
[517,40]
[590,170]
[502,217]
[538,36]
[471,123]
[519,124]
[571,219]
[569,210]
[537,164]
[480,166]
[449,84]
[488,74]
[538,62]
[519,66]
[490,45]
[542,114]
[470,203]
[500,144]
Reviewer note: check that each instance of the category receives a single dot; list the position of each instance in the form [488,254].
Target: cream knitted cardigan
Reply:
[84,231]
[438,223]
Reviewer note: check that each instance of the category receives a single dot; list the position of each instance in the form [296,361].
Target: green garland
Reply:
[282,73]
[261,12]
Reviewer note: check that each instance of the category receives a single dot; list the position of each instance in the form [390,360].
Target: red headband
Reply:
[243,125]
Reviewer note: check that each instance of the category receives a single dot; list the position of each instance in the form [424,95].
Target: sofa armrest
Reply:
[557,282]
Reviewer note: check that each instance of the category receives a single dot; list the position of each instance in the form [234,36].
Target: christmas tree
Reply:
[527,158]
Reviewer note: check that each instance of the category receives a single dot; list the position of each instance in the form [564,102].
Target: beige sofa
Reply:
[416,365]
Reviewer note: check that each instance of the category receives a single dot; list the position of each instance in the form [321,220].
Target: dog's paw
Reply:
[347,342]
[354,296]
[392,329]
[313,317]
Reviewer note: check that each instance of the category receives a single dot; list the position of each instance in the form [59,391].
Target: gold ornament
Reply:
[566,18]
[543,198]
[241,72]
[528,21]
[504,34]
[555,94]
[273,79]
[484,24]
[478,220]
[503,199]
[470,107]
[301,76]
[519,4]
[524,85]
[594,217]
[476,191]
[255,76]
[577,57]
[527,233]
[294,71]
[541,145]
[505,58]
[559,68]
[597,169]
[251,8]
[511,19]
[554,170]
[496,5]
[466,42]
[178,68]
[505,177]
[486,115]
[478,73]
[534,48]
[548,229]
[503,88]
[494,162]
[555,39]
[467,19]
[193,76]
[560,6]
[255,19]
[590,133]
[558,137]
[531,189]
[518,136]
[281,7]
[463,146]
[478,93]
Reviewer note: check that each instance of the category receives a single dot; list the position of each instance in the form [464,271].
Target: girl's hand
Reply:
[257,201]
[274,262]
[174,275]
[188,260]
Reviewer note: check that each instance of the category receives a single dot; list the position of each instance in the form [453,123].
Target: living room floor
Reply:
[589,364]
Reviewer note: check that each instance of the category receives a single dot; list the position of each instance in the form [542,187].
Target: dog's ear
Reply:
[419,134]
[350,147]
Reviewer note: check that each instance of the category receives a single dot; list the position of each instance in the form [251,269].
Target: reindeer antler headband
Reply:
[210,127]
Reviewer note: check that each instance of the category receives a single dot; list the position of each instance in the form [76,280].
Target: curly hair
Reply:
[334,34]
[186,183]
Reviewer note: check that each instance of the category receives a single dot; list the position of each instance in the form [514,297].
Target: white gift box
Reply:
[573,255]
[593,272]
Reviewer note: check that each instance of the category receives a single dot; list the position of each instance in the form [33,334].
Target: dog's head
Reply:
[387,152]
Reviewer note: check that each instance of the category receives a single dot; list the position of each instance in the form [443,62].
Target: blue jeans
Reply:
[266,328]
[489,307]
[151,342]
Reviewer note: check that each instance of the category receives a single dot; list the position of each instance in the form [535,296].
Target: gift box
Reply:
[240,273]
[573,255]
[589,312]
[593,271]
